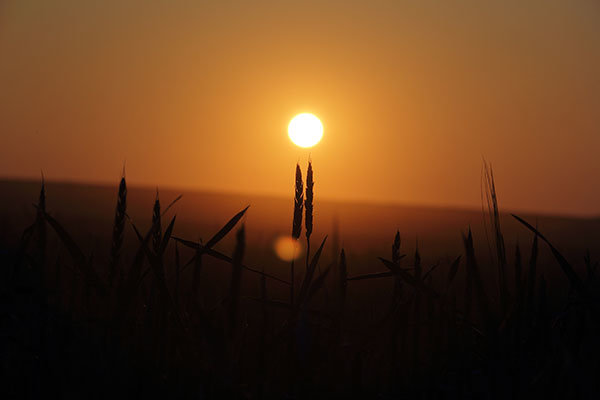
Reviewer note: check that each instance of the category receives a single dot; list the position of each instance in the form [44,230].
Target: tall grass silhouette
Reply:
[143,324]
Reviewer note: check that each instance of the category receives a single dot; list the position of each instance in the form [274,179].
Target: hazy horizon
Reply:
[354,201]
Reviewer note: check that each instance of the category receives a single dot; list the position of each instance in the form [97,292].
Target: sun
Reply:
[305,130]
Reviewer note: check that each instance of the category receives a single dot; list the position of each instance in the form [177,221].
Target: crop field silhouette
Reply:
[295,199]
[150,310]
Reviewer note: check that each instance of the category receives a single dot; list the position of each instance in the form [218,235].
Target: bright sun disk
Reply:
[305,130]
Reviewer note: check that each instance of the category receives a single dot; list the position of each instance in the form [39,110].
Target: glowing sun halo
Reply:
[305,130]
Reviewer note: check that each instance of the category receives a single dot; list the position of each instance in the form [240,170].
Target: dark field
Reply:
[85,315]
[364,230]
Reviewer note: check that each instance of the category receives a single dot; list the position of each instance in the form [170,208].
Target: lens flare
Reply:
[287,249]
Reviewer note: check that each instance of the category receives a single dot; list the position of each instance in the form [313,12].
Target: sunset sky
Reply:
[412,95]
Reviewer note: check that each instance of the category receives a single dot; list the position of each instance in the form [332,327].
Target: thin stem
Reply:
[292,275]
[307,252]
[292,284]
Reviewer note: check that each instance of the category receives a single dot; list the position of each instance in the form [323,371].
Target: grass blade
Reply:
[371,276]
[410,279]
[220,256]
[167,236]
[453,270]
[171,204]
[225,229]
[310,273]
[236,280]
[568,270]
[78,257]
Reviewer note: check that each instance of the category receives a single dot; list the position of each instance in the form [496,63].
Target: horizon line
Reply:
[275,195]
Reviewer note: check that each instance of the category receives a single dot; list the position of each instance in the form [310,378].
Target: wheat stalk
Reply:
[156,237]
[118,228]
[308,208]
[298,205]
[236,279]
[308,215]
[296,223]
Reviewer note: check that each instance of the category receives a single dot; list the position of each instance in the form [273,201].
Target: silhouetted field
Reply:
[109,291]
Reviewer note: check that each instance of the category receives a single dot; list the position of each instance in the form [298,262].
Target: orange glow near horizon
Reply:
[199,95]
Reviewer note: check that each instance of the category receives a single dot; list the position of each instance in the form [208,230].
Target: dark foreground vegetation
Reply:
[80,325]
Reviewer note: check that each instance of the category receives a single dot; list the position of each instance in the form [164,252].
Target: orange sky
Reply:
[412,94]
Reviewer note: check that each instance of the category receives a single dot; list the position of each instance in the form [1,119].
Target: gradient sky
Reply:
[412,95]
